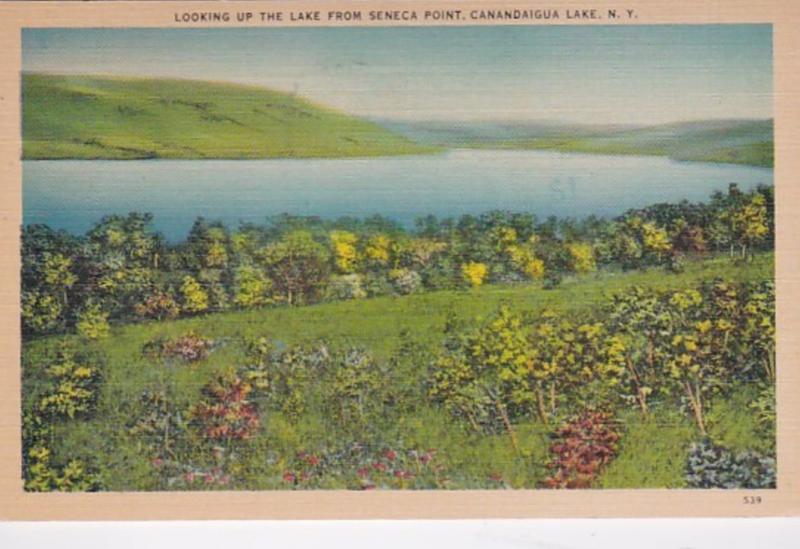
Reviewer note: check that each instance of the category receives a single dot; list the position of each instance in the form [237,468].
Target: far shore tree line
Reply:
[122,270]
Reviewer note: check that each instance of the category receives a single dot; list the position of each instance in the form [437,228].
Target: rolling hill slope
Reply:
[734,141]
[96,117]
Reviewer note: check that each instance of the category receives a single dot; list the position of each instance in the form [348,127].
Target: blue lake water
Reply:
[72,195]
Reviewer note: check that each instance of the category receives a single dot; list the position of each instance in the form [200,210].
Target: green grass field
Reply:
[94,117]
[652,453]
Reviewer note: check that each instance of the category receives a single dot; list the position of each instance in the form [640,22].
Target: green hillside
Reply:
[730,141]
[100,117]
[94,117]
[652,455]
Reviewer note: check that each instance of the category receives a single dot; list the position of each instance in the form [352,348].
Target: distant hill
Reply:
[101,117]
[732,141]
[98,117]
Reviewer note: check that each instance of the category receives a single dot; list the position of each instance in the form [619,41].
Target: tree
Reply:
[207,246]
[697,363]
[297,266]
[378,250]
[404,281]
[655,242]
[122,258]
[160,305]
[584,359]
[689,238]
[750,224]
[57,275]
[355,390]
[523,257]
[194,297]
[546,375]
[49,279]
[345,251]
[245,242]
[557,259]
[756,323]
[131,236]
[723,227]
[482,376]
[251,287]
[216,283]
[41,312]
[582,257]
[641,318]
[40,242]
[624,246]
[421,253]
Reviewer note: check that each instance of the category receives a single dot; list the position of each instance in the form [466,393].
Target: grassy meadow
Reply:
[406,332]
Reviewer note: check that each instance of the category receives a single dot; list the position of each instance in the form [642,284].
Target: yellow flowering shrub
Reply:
[93,323]
[378,249]
[582,256]
[474,273]
[195,298]
[655,239]
[345,252]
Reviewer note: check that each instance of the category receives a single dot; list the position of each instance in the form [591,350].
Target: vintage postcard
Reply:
[399,259]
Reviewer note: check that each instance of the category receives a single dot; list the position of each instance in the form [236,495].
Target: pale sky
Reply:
[588,74]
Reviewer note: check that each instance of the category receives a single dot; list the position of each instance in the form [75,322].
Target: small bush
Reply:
[712,466]
[764,408]
[73,385]
[70,389]
[474,273]
[160,426]
[160,306]
[93,323]
[189,347]
[259,361]
[43,476]
[582,448]
[405,281]
[357,390]
[292,376]
[677,263]
[349,286]
[224,412]
[376,284]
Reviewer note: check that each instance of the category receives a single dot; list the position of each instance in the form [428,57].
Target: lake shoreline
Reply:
[436,152]
[567,150]
[72,195]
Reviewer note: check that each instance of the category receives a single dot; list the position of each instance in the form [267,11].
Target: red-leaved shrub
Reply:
[581,449]
[224,411]
[189,347]
[159,305]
